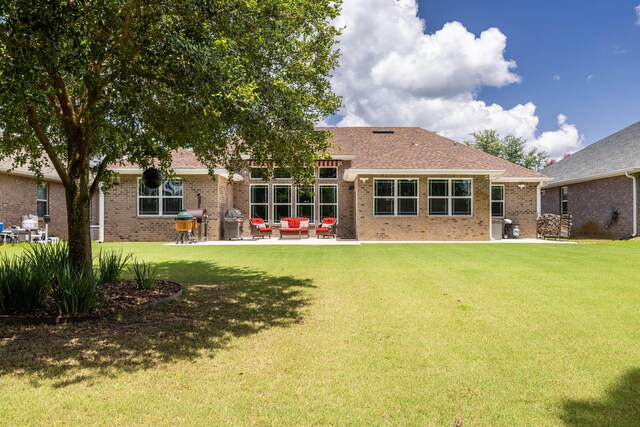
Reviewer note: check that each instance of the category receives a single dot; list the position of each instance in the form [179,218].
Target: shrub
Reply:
[22,287]
[111,265]
[144,274]
[74,291]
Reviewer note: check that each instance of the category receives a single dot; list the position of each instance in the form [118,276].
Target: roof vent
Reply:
[383,131]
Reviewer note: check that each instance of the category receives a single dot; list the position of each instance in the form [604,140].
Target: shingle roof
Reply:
[417,149]
[611,155]
[48,171]
[180,159]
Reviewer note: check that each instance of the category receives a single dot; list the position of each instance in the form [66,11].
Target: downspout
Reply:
[635,202]
[100,214]
[490,212]
[539,198]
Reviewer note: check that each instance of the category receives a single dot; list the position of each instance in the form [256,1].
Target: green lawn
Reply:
[376,334]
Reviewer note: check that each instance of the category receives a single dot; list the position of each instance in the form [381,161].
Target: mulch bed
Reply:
[116,298]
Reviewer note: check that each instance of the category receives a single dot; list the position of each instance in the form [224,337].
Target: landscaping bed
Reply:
[115,298]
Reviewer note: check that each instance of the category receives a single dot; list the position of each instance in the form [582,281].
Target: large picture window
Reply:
[305,203]
[450,197]
[42,200]
[327,173]
[564,200]
[497,201]
[281,201]
[395,197]
[165,200]
[328,201]
[259,202]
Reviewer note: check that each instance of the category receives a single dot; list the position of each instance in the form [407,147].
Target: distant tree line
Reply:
[509,148]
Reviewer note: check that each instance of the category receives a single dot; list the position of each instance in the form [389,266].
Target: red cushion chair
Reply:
[259,228]
[327,228]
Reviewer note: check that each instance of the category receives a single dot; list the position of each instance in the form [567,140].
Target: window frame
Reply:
[396,197]
[45,186]
[327,167]
[274,204]
[160,197]
[267,204]
[502,201]
[312,204]
[564,200]
[261,178]
[450,197]
[321,204]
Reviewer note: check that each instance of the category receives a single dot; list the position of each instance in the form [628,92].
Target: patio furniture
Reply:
[259,228]
[296,227]
[327,228]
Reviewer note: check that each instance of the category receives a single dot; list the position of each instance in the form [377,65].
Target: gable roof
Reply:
[49,173]
[611,156]
[416,150]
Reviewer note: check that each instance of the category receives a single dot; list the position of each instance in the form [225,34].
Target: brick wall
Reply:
[18,197]
[591,203]
[520,207]
[423,227]
[123,224]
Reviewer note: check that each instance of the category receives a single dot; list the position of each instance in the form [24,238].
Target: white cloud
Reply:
[393,73]
[559,142]
[637,9]
[556,77]
[591,77]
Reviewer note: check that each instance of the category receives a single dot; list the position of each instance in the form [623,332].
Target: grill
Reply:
[185,226]
[233,221]
[202,219]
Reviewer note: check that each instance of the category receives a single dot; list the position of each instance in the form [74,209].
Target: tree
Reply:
[508,148]
[93,82]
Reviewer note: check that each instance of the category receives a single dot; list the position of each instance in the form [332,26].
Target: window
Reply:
[564,200]
[165,200]
[395,197]
[305,203]
[42,200]
[450,197]
[258,173]
[259,202]
[281,173]
[497,200]
[328,173]
[328,201]
[281,201]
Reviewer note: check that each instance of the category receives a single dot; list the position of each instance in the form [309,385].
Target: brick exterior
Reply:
[520,207]
[18,197]
[121,206]
[591,203]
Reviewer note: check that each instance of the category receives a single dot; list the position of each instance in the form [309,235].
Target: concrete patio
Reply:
[333,242]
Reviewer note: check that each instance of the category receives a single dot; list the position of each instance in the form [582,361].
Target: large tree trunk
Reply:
[78,200]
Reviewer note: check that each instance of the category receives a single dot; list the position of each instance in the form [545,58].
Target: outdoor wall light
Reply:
[363,180]
[521,186]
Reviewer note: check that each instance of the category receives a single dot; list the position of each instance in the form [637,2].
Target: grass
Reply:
[374,334]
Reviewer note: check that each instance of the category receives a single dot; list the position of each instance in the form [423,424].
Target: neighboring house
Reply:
[380,183]
[598,186]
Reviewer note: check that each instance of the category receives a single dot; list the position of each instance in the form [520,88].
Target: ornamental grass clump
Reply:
[144,274]
[73,291]
[111,265]
[22,288]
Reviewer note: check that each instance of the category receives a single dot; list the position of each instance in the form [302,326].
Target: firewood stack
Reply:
[548,225]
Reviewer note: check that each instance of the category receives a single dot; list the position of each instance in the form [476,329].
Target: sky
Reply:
[559,74]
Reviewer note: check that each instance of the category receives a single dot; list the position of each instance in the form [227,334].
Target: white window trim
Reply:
[312,204]
[46,201]
[319,204]
[252,178]
[160,197]
[396,197]
[504,196]
[291,204]
[268,204]
[450,196]
[327,179]
[564,191]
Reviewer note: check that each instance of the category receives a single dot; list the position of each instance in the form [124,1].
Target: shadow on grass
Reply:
[221,304]
[620,406]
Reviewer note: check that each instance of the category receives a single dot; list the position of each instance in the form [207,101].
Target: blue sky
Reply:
[560,74]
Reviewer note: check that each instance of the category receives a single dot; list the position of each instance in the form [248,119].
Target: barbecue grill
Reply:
[233,221]
[202,219]
[185,226]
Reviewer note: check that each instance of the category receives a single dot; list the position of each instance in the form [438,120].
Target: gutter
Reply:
[635,201]
[351,174]
[100,214]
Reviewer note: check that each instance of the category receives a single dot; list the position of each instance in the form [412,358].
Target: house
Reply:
[598,186]
[380,183]
[21,195]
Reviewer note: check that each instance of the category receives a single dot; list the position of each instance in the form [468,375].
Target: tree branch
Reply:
[98,176]
[34,122]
